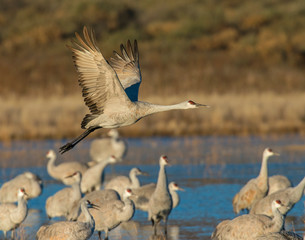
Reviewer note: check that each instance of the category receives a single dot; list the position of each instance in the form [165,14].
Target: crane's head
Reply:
[50,154]
[175,187]
[137,171]
[268,152]
[163,160]
[77,176]
[21,193]
[127,193]
[277,204]
[112,159]
[192,104]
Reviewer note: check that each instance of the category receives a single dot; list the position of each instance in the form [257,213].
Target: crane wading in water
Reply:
[110,89]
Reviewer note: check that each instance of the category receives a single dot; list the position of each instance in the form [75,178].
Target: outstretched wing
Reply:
[127,68]
[97,78]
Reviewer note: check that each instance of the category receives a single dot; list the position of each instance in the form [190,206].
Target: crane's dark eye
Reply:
[191,102]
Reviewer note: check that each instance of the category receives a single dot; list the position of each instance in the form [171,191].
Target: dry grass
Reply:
[58,117]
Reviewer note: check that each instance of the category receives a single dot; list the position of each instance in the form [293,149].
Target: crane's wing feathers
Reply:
[97,78]
[127,68]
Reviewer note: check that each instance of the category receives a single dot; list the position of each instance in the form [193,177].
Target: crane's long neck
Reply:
[263,175]
[148,108]
[88,217]
[162,180]
[77,194]
[128,210]
[20,212]
[175,197]
[99,169]
[277,223]
[51,164]
[135,183]
[297,191]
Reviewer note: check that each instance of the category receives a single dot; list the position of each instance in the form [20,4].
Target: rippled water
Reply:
[210,169]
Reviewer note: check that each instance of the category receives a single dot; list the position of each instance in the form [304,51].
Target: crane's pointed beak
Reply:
[144,173]
[202,105]
[181,189]
[70,175]
[94,206]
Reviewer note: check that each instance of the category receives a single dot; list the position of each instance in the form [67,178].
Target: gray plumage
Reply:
[256,188]
[142,195]
[110,89]
[99,197]
[94,176]
[31,183]
[283,235]
[69,230]
[11,216]
[121,183]
[289,197]
[277,183]
[60,171]
[160,204]
[103,148]
[60,203]
[250,226]
[111,213]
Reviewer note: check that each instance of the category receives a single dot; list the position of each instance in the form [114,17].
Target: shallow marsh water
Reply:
[210,169]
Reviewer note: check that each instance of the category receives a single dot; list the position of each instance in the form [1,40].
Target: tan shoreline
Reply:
[60,117]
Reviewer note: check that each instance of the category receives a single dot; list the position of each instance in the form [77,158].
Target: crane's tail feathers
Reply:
[88,118]
[71,145]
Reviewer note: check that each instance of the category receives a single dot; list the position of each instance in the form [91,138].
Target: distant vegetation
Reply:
[189,48]
[204,46]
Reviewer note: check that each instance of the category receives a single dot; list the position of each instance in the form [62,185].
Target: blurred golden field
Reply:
[244,58]
[230,114]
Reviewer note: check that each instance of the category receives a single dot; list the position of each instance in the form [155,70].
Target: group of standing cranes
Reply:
[267,200]
[94,209]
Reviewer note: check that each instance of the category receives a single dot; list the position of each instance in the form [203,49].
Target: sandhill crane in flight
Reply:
[110,89]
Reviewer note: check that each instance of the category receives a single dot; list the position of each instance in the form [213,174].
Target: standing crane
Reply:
[256,188]
[250,226]
[60,171]
[160,204]
[30,182]
[110,89]
[112,213]
[69,229]
[93,178]
[61,203]
[142,195]
[120,183]
[289,197]
[11,216]
[103,148]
